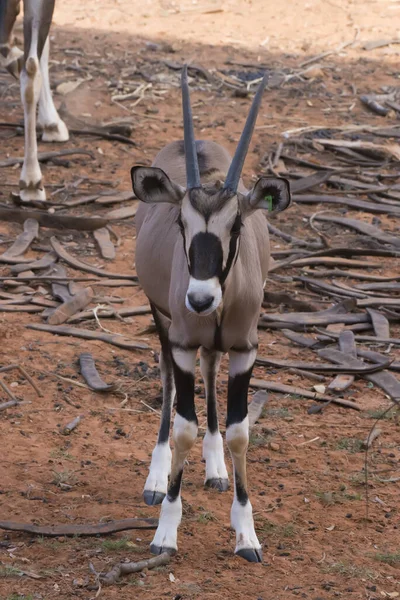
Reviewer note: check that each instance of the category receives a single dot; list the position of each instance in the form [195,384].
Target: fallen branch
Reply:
[45,156]
[71,306]
[134,567]
[319,260]
[117,340]
[102,237]
[106,313]
[9,404]
[289,389]
[379,323]
[360,338]
[306,374]
[66,430]
[24,240]
[347,345]
[116,137]
[321,368]
[45,219]
[90,374]
[362,227]
[361,204]
[42,263]
[292,239]
[385,380]
[80,530]
[74,262]
[256,407]
[371,437]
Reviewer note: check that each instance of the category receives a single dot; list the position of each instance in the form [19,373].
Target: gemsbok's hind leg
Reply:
[237,437]
[213,448]
[37,20]
[156,484]
[54,128]
[30,183]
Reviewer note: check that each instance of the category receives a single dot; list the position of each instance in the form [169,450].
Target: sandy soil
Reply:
[307,487]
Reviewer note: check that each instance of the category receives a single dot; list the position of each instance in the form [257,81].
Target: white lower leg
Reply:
[243,524]
[213,448]
[166,536]
[30,184]
[184,435]
[237,437]
[213,454]
[160,468]
[54,129]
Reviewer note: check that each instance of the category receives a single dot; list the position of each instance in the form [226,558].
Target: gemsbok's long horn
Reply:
[235,170]
[192,165]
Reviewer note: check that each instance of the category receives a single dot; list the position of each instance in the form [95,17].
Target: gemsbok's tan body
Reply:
[202,257]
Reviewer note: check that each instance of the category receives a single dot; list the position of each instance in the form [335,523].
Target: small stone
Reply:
[274,447]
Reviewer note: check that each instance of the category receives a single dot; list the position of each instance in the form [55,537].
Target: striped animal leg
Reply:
[156,484]
[184,435]
[37,20]
[213,449]
[237,437]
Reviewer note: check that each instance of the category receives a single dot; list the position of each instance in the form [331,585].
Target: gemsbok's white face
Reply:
[210,221]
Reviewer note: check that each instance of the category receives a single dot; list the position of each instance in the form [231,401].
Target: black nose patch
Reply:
[205,256]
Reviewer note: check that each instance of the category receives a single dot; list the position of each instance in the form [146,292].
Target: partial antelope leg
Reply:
[213,448]
[156,484]
[37,20]
[237,437]
[184,435]
[9,54]
[54,128]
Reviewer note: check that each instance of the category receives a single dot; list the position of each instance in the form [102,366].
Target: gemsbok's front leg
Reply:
[213,448]
[156,484]
[184,435]
[237,437]
[30,183]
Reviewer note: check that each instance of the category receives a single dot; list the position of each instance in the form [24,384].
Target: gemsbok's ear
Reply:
[269,193]
[151,184]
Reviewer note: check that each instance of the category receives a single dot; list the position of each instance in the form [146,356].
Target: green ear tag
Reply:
[269,200]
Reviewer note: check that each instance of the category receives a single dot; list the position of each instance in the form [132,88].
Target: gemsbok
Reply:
[202,257]
[32,66]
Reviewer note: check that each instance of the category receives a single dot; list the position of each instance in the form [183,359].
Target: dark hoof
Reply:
[153,498]
[154,549]
[218,484]
[250,554]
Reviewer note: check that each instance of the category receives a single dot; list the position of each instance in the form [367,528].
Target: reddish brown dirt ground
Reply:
[307,488]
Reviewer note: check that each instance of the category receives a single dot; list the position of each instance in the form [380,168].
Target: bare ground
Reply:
[307,487]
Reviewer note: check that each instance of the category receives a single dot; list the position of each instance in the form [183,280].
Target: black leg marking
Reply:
[175,486]
[238,387]
[212,416]
[184,382]
[168,384]
[241,492]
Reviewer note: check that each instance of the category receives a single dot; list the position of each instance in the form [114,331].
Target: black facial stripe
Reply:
[182,230]
[233,254]
[205,256]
